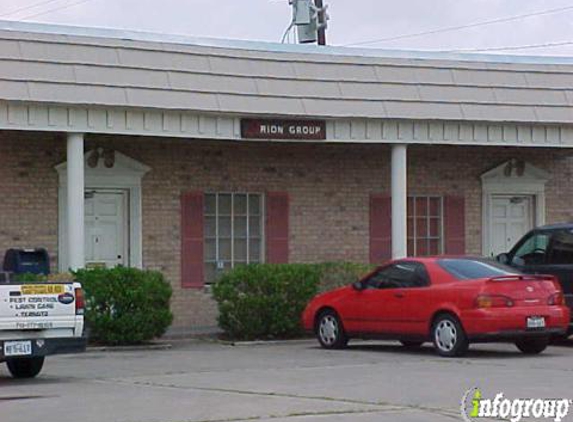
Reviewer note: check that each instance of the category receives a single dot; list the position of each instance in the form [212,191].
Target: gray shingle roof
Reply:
[83,66]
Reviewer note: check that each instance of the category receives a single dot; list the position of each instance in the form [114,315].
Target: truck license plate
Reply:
[535,322]
[17,348]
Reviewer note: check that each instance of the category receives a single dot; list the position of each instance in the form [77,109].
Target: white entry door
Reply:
[106,228]
[510,218]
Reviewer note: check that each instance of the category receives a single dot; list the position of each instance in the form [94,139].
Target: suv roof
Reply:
[559,226]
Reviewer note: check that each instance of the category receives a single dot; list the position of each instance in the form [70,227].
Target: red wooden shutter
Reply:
[380,228]
[454,225]
[192,240]
[277,227]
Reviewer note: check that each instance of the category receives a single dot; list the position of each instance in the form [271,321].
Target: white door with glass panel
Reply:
[106,228]
[510,218]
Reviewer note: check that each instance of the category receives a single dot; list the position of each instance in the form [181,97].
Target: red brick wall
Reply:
[329,187]
[29,191]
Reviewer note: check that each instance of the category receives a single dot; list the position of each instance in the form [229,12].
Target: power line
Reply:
[31,6]
[56,9]
[511,47]
[291,25]
[460,27]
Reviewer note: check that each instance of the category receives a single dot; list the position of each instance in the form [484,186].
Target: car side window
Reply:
[406,274]
[376,279]
[560,249]
[532,251]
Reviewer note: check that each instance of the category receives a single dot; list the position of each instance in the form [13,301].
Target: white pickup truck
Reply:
[37,320]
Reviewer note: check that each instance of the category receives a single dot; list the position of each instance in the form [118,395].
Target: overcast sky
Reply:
[351,21]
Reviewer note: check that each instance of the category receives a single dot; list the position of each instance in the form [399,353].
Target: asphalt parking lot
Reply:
[291,381]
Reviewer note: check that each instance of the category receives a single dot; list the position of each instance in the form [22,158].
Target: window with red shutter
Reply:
[428,230]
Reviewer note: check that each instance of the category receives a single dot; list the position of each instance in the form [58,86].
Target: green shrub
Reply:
[125,305]
[264,301]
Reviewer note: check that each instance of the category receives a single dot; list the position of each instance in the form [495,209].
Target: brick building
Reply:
[167,153]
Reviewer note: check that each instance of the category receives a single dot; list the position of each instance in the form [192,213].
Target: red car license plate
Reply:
[535,322]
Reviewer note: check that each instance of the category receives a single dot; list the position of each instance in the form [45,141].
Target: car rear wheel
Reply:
[411,344]
[330,332]
[532,346]
[25,367]
[449,336]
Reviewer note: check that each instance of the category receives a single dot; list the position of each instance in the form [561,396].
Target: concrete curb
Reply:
[95,349]
[268,342]
[198,340]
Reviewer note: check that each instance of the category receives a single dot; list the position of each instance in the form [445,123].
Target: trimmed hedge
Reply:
[265,301]
[123,305]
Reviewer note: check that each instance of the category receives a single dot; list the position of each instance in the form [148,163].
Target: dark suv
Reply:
[546,250]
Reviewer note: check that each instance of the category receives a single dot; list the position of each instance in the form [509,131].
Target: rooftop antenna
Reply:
[310,19]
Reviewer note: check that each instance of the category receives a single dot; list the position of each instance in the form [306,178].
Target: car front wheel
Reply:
[25,367]
[330,332]
[449,336]
[532,346]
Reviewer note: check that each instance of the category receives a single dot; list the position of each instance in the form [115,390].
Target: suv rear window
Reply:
[470,269]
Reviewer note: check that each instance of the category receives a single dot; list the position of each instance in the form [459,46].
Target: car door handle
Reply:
[399,295]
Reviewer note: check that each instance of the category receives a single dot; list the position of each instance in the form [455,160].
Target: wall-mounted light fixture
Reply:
[108,156]
[514,166]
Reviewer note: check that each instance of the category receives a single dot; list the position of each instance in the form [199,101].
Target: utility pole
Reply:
[321,22]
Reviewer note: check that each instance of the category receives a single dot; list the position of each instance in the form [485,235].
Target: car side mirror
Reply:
[358,286]
[502,258]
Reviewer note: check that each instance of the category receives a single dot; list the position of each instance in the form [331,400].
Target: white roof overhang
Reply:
[60,78]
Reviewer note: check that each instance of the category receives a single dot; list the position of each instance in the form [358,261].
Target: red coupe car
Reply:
[451,301]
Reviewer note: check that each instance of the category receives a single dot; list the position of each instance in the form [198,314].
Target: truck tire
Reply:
[25,367]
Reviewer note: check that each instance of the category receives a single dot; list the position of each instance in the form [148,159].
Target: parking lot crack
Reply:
[245,392]
[375,406]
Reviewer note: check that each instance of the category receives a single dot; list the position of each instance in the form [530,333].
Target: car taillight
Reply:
[80,303]
[493,301]
[556,299]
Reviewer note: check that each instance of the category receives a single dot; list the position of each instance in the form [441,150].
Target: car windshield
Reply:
[470,269]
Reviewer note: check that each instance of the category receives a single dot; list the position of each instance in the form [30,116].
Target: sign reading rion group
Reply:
[283,129]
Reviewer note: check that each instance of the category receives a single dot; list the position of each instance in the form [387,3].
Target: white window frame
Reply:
[414,218]
[262,235]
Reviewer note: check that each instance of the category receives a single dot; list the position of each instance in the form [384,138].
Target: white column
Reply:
[75,203]
[399,201]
